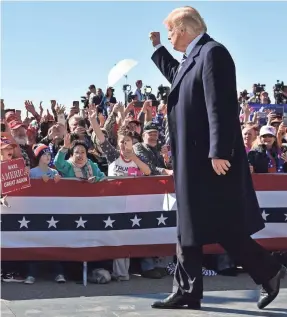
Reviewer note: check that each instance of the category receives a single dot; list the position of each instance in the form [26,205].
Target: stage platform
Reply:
[224,296]
[216,303]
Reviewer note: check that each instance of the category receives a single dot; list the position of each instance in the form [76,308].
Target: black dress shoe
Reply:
[175,301]
[271,289]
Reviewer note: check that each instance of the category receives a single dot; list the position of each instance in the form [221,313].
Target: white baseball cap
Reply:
[267,129]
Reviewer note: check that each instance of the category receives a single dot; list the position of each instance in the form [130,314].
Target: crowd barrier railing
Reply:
[130,217]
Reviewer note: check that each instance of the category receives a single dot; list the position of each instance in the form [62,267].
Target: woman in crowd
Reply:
[95,153]
[122,162]
[266,155]
[107,101]
[109,96]
[78,165]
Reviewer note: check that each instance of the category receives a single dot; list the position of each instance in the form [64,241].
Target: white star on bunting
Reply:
[81,222]
[52,223]
[24,223]
[136,221]
[286,217]
[264,215]
[109,222]
[162,220]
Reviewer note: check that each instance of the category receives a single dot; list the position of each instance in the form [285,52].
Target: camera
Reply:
[128,93]
[277,90]
[85,101]
[162,93]
[148,95]
[278,86]
[258,88]
[243,94]
[147,90]
[127,88]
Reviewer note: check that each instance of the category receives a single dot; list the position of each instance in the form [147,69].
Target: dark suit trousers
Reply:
[260,265]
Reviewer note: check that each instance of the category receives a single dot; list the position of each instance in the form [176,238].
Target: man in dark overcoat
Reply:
[215,196]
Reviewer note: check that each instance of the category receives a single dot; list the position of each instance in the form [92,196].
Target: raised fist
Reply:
[155,38]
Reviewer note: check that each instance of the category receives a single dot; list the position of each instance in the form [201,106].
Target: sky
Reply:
[55,50]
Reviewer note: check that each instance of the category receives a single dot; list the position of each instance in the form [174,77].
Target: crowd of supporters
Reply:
[108,138]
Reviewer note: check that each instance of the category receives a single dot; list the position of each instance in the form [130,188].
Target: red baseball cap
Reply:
[40,149]
[15,124]
[5,142]
[10,116]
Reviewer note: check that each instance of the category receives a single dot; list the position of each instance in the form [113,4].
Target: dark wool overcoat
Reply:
[203,120]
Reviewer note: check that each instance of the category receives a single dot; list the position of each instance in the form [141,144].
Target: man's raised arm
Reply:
[162,58]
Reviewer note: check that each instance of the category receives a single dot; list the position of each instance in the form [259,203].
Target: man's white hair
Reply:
[75,117]
[186,18]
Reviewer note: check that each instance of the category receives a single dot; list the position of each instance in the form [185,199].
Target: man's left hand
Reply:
[220,166]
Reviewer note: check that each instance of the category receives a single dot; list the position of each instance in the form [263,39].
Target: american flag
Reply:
[132,217]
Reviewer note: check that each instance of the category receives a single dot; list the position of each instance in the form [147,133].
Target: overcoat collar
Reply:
[190,61]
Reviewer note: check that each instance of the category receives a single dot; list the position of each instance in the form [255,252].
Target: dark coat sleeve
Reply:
[219,82]
[165,63]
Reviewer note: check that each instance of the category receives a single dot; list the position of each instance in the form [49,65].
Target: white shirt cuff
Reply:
[157,47]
